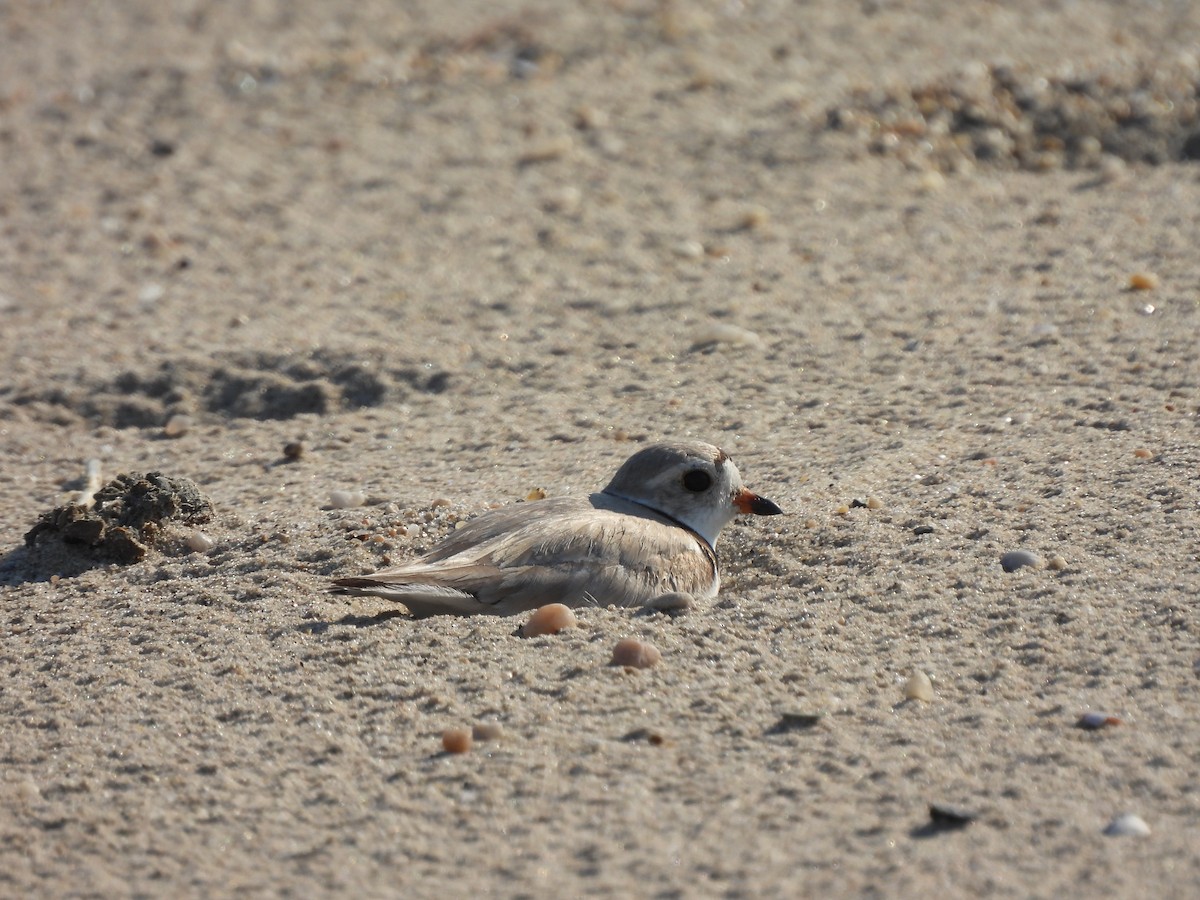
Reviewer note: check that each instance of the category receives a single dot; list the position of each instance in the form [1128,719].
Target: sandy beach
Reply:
[927,272]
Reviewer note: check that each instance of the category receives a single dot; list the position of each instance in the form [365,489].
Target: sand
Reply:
[464,251]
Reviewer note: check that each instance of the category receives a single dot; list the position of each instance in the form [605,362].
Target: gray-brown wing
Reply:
[568,552]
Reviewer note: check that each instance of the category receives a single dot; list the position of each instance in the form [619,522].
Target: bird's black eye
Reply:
[697,481]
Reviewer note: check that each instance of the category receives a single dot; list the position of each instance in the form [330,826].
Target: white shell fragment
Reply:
[726,333]
[918,687]
[1127,825]
[199,542]
[347,499]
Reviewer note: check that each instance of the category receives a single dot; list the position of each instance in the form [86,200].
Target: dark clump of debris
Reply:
[129,516]
[1011,118]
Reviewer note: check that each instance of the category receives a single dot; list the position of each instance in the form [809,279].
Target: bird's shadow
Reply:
[352,621]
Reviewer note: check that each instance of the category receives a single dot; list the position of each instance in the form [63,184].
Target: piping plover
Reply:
[653,530]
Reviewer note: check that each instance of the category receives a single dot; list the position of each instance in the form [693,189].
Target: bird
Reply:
[651,531]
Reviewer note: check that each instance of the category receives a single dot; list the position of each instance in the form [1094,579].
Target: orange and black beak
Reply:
[746,501]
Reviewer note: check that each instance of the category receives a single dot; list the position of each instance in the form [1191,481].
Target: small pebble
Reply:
[947,817]
[1019,559]
[487,731]
[1143,453]
[874,503]
[1056,563]
[1095,720]
[1143,281]
[536,494]
[199,542]
[918,687]
[754,218]
[689,249]
[673,603]
[635,654]
[456,740]
[931,182]
[1127,825]
[549,619]
[177,426]
[293,450]
[795,721]
[347,499]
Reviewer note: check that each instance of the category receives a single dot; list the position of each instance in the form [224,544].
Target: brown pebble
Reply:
[536,494]
[635,654]
[177,426]
[549,619]
[293,450]
[456,740]
[1143,453]
[1143,281]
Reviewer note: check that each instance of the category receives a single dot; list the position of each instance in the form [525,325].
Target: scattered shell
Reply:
[347,499]
[726,333]
[1095,720]
[293,450]
[536,494]
[547,150]
[931,182]
[549,619]
[689,249]
[589,118]
[487,731]
[674,603]
[918,687]
[199,542]
[456,740]
[1056,563]
[1019,559]
[177,426]
[754,218]
[151,293]
[1127,825]
[1143,281]
[635,654]
[1143,453]
[947,817]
